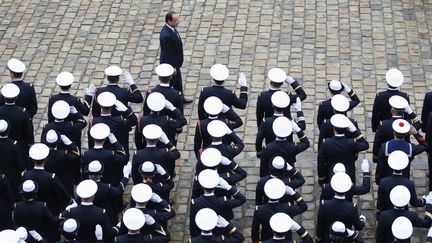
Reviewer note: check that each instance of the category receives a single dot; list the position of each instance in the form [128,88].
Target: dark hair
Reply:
[218,82]
[276,85]
[113,79]
[16,75]
[397,112]
[169,16]
[65,88]
[165,79]
[339,130]
[278,109]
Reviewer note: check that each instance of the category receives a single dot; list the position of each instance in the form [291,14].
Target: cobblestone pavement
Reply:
[354,41]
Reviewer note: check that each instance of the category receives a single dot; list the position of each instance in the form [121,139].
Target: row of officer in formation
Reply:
[39,178]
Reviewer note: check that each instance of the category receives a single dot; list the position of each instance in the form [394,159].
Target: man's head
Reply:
[172,18]
[16,68]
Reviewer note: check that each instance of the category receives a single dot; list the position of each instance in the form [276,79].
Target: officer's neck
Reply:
[106,113]
[278,237]
[58,120]
[277,113]
[342,196]
[133,232]
[10,103]
[339,134]
[399,208]
[5,136]
[151,146]
[164,84]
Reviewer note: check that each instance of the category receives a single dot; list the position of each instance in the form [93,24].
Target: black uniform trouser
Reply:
[430,169]
[176,81]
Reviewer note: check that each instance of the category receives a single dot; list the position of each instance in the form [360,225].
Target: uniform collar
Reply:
[392,89]
[64,92]
[206,234]
[86,203]
[275,89]
[38,167]
[217,143]
[17,80]
[112,84]
[164,85]
[151,146]
[339,197]
[98,146]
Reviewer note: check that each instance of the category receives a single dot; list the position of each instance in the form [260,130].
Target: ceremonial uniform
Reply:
[328,193]
[12,164]
[264,212]
[232,235]
[326,131]
[387,217]
[26,98]
[113,160]
[227,96]
[339,149]
[336,209]
[325,108]
[83,107]
[6,203]
[171,94]
[51,190]
[387,184]
[71,128]
[283,148]
[381,108]
[124,95]
[139,238]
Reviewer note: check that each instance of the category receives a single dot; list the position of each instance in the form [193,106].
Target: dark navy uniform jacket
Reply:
[26,98]
[325,109]
[83,107]
[381,108]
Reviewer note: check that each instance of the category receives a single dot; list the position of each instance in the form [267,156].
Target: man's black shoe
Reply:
[186,100]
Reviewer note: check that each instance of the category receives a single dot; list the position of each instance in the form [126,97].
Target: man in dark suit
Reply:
[171,47]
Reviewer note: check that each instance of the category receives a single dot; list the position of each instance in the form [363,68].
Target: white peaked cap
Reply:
[339,121]
[398,160]
[28,186]
[398,102]
[60,109]
[9,236]
[38,151]
[113,71]
[16,65]
[3,125]
[208,178]
[100,131]
[206,219]
[280,222]
[164,70]
[280,99]
[217,128]
[400,196]
[276,75]
[213,105]
[86,189]
[65,79]
[338,227]
[152,131]
[70,225]
[211,157]
[339,103]
[106,99]
[10,91]
[402,228]
[282,127]
[394,77]
[95,166]
[51,136]
[133,219]
[278,162]
[341,182]
[141,193]
[335,85]
[219,72]
[156,101]
[401,126]
[274,188]
[339,167]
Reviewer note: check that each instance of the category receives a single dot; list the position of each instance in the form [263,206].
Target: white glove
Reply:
[149,219]
[350,232]
[242,80]
[65,139]
[128,78]
[225,108]
[169,105]
[163,138]
[430,232]
[408,109]
[224,184]
[351,127]
[295,226]
[228,130]
[159,169]
[289,79]
[225,161]
[73,110]
[297,104]
[289,167]
[112,138]
[127,170]
[289,191]
[98,232]
[363,218]
[365,165]
[35,235]
[346,88]
[155,198]
[90,90]
[120,106]
[428,198]
[22,233]
[295,127]
[221,222]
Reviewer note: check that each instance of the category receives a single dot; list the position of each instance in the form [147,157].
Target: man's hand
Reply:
[169,105]
[222,222]
[128,78]
[90,90]
[65,140]
[163,138]
[365,166]
[120,106]
[127,169]
[289,191]
[225,161]
[289,80]
[295,127]
[73,110]
[225,108]
[98,232]
[159,169]
[224,184]
[35,235]
[346,88]
[112,138]
[242,80]
[298,105]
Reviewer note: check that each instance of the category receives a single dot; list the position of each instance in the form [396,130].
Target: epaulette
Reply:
[192,201]
[428,214]
[22,173]
[322,202]
[222,237]
[24,109]
[45,204]
[14,205]
[256,208]
[103,211]
[225,198]
[14,142]
[304,234]
[53,175]
[232,91]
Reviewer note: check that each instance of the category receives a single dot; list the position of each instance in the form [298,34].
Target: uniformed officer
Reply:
[108,197]
[402,230]
[327,192]
[338,209]
[275,189]
[65,80]
[385,130]
[69,230]
[340,105]
[282,128]
[152,204]
[51,190]
[207,220]
[339,233]
[229,170]
[381,107]
[264,106]
[401,128]
[325,109]
[124,95]
[12,163]
[34,214]
[20,123]
[7,201]
[220,134]
[397,161]
[214,107]
[27,95]
[166,156]
[219,74]
[89,215]
[164,72]
[120,124]
[113,159]
[134,219]
[209,180]
[281,223]
[340,149]
[400,197]
[156,103]
[157,178]
[281,170]
[280,101]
